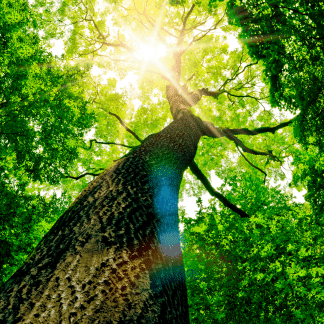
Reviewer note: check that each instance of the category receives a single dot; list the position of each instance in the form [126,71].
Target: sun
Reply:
[150,53]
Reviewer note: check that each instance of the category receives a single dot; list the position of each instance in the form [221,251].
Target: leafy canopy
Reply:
[288,37]
[131,47]
[44,113]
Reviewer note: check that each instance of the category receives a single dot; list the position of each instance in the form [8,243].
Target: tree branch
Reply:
[127,129]
[254,166]
[288,8]
[205,32]
[152,23]
[244,96]
[176,68]
[246,149]
[83,175]
[108,143]
[215,132]
[261,130]
[238,72]
[197,172]
[95,50]
[129,49]
[214,94]
[193,74]
[183,29]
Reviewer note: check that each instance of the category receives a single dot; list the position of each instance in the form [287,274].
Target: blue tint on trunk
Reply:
[165,181]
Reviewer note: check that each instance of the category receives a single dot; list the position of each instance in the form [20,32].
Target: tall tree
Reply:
[115,256]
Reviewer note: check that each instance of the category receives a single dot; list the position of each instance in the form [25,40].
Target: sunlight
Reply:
[149,53]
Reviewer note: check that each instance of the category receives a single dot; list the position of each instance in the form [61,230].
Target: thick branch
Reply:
[127,129]
[176,68]
[215,132]
[179,98]
[197,172]
[214,94]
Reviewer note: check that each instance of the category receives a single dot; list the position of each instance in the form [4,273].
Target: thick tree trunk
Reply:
[114,256]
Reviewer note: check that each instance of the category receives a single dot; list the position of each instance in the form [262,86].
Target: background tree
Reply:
[265,269]
[288,37]
[230,92]
[44,114]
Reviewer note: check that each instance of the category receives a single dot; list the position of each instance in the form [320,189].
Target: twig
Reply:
[108,143]
[265,175]
[244,96]
[83,175]
[193,74]
[205,32]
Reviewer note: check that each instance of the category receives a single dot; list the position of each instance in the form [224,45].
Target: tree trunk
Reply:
[114,256]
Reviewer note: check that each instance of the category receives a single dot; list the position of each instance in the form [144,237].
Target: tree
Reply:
[114,255]
[287,36]
[44,114]
[265,269]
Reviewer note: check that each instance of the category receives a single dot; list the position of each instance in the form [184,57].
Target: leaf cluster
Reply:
[288,37]
[266,269]
[44,113]
[25,218]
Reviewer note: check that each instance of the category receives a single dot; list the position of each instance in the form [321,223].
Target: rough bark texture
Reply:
[114,256]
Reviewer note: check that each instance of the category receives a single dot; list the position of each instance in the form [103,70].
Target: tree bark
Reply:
[114,256]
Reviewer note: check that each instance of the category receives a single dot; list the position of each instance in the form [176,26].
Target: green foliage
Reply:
[25,219]
[266,269]
[44,112]
[309,173]
[176,2]
[47,107]
[287,36]
[44,108]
